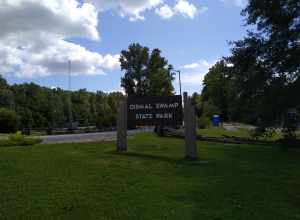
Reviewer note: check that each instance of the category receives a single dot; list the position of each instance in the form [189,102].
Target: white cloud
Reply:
[111,62]
[182,7]
[55,59]
[193,74]
[33,33]
[238,3]
[131,8]
[62,17]
[186,9]
[200,63]
[165,12]
[134,9]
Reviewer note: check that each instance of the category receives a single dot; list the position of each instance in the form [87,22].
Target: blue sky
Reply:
[191,45]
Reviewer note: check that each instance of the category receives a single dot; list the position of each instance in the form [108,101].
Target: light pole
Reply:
[179,76]
[70,97]
[69,74]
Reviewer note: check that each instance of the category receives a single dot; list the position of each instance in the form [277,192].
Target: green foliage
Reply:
[18,139]
[150,181]
[106,122]
[290,125]
[8,121]
[261,132]
[265,68]
[259,81]
[6,95]
[204,122]
[146,73]
[40,107]
[209,109]
[215,94]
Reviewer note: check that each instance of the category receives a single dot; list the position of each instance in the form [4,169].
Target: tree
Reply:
[25,120]
[6,95]
[265,64]
[215,93]
[8,121]
[41,107]
[146,73]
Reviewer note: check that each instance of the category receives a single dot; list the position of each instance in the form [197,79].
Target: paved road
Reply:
[89,137]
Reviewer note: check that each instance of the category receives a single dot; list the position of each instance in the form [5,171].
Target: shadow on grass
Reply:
[178,161]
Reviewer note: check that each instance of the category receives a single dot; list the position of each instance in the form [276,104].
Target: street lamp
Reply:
[179,75]
[70,97]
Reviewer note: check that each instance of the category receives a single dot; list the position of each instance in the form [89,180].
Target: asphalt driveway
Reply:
[88,137]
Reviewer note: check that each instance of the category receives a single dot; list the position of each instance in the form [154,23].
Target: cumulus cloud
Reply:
[131,8]
[182,7]
[33,33]
[134,9]
[193,74]
[111,62]
[238,3]
[62,17]
[186,9]
[165,12]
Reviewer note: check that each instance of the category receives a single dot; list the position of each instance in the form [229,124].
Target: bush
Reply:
[204,122]
[262,132]
[8,121]
[18,139]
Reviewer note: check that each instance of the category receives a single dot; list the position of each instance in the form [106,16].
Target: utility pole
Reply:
[70,96]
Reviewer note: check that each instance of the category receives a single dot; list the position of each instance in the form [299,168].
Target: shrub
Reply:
[8,121]
[18,139]
[262,132]
[204,122]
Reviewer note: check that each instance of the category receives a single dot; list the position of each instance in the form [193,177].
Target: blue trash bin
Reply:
[216,120]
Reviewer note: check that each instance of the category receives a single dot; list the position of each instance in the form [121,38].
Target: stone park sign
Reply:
[165,111]
[162,111]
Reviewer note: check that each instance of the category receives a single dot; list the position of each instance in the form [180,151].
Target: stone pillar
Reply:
[122,127]
[190,129]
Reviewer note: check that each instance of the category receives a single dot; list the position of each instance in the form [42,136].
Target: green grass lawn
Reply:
[150,181]
[241,132]
[3,136]
[220,132]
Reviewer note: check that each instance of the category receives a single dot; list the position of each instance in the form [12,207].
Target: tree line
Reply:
[40,107]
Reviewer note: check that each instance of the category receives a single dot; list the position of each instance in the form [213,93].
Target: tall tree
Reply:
[146,73]
[216,89]
[266,67]
[6,95]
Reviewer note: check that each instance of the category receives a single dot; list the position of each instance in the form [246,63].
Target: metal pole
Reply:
[70,97]
[179,76]
[180,82]
[69,68]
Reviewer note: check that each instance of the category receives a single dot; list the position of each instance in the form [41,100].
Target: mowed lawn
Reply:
[150,181]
